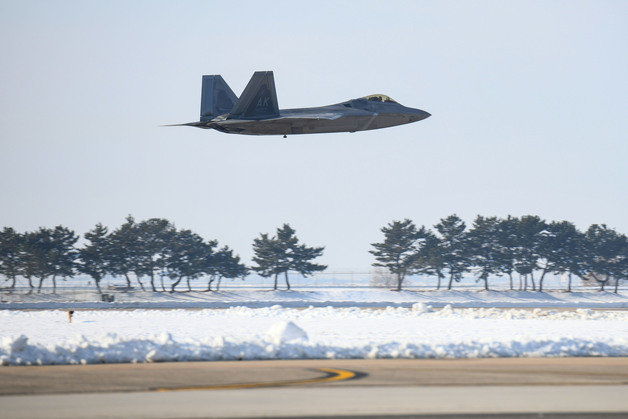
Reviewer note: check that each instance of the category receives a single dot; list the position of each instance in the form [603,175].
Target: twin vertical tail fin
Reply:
[259,99]
[217,98]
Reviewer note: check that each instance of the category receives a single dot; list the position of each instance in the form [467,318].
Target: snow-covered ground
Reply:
[46,337]
[317,297]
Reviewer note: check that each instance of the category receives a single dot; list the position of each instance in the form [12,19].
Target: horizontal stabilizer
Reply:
[259,99]
[199,124]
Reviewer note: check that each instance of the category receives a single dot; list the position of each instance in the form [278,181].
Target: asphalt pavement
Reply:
[515,387]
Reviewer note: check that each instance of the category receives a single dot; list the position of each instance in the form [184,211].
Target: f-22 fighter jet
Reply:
[257,112]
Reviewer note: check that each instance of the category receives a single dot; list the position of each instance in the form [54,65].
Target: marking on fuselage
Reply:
[332,374]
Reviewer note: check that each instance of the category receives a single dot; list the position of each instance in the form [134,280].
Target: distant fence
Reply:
[345,279]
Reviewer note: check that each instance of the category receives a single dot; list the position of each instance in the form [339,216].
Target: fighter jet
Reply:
[257,112]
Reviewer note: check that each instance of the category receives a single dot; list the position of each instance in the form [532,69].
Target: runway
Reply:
[311,388]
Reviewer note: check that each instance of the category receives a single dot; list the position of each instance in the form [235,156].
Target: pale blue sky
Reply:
[529,103]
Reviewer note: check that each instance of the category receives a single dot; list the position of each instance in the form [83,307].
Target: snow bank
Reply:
[285,331]
[46,337]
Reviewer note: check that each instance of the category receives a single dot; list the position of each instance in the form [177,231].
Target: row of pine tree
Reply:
[152,250]
[503,246]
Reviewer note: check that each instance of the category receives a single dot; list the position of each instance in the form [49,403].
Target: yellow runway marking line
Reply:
[332,375]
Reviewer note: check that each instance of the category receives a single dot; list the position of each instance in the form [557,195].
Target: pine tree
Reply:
[606,251]
[185,257]
[287,243]
[93,258]
[154,237]
[484,250]
[266,257]
[10,244]
[37,254]
[398,252]
[228,265]
[454,246]
[430,260]
[64,255]
[294,256]
[27,258]
[209,262]
[122,251]
[283,253]
[507,245]
[529,236]
[50,252]
[556,246]
[620,267]
[303,255]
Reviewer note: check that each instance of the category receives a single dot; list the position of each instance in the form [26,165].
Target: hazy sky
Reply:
[529,103]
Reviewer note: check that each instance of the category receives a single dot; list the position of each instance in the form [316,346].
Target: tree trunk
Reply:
[541,280]
[525,282]
[285,274]
[532,279]
[438,283]
[97,282]
[163,287]
[139,281]
[399,281]
[128,281]
[212,278]
[152,282]
[218,283]
[451,280]
[30,284]
[616,283]
[41,281]
[189,286]
[275,287]
[510,277]
[485,282]
[604,283]
[54,284]
[175,283]
[569,283]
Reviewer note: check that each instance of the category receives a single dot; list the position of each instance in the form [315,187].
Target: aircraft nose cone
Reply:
[418,115]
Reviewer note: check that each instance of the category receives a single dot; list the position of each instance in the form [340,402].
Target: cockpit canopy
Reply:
[370,102]
[379,98]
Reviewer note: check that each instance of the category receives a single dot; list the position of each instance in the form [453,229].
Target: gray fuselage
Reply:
[353,115]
